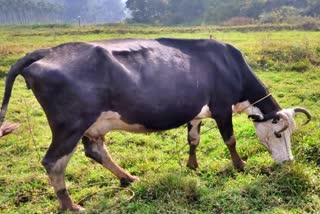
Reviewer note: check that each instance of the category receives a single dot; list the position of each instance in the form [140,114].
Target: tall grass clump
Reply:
[281,56]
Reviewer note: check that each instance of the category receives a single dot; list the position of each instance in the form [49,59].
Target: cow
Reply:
[88,89]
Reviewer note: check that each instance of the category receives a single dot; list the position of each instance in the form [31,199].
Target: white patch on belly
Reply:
[204,113]
[193,133]
[109,121]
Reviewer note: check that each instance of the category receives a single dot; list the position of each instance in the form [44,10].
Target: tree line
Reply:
[177,12]
[27,11]
[60,11]
[161,12]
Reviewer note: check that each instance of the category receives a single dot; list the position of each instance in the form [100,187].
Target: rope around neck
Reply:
[256,102]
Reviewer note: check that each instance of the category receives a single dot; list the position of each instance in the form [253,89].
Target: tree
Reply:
[219,11]
[313,8]
[282,14]
[252,8]
[75,8]
[276,4]
[26,11]
[49,11]
[102,11]
[147,11]
[184,12]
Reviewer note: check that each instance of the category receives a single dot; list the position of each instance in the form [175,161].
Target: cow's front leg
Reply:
[238,163]
[97,151]
[193,140]
[55,163]
[225,126]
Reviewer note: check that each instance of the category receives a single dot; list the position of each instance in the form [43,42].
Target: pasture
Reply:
[288,62]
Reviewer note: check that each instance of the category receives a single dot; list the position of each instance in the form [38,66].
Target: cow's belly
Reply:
[110,121]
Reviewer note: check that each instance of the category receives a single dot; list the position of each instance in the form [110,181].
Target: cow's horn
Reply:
[305,111]
[285,126]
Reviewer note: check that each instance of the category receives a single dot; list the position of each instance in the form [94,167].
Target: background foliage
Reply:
[60,11]
[173,12]
[160,12]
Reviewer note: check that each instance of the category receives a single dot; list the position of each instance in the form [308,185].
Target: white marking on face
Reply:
[109,121]
[280,148]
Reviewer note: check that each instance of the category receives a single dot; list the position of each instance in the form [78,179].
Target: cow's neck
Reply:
[254,90]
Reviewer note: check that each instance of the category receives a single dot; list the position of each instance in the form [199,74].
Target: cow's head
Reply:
[274,130]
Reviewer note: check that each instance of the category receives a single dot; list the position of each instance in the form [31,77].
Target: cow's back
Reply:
[158,83]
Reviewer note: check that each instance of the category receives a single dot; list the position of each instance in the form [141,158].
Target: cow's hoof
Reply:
[239,165]
[126,181]
[192,162]
[192,165]
[75,208]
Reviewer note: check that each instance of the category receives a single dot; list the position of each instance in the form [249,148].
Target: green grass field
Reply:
[288,62]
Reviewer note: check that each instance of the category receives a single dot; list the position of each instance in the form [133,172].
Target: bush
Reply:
[291,57]
[236,21]
[290,15]
[36,26]
[280,15]
[309,23]
[300,66]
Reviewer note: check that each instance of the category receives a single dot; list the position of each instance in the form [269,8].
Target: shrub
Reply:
[290,15]
[36,26]
[309,23]
[292,57]
[300,66]
[236,21]
[280,15]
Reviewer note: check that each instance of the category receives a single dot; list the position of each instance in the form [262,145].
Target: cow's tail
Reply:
[16,69]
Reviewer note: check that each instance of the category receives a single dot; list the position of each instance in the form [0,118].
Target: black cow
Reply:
[89,89]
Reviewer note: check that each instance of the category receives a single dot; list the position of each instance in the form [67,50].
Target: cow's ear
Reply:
[256,117]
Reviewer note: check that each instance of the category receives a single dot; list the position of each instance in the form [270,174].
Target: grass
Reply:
[286,61]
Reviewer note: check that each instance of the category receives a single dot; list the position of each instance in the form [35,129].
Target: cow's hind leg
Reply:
[224,122]
[97,151]
[193,140]
[55,163]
